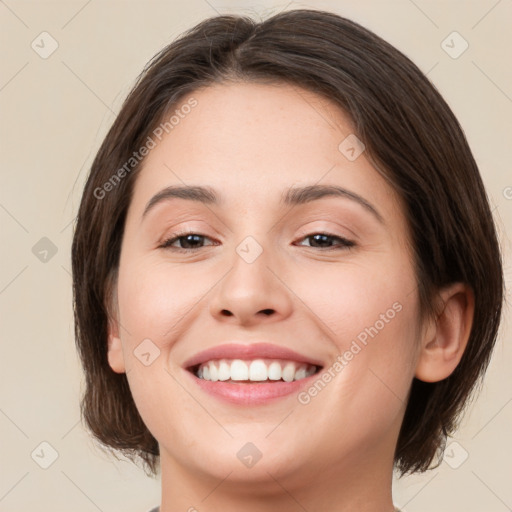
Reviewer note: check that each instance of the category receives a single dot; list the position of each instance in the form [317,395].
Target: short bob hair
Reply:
[411,137]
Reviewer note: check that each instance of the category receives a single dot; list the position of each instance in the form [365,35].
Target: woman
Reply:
[286,275]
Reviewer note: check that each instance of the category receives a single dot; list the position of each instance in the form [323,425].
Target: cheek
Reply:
[378,332]
[368,314]
[154,298]
[350,299]
[365,389]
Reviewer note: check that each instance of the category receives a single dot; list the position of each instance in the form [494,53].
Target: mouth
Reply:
[253,371]
[251,374]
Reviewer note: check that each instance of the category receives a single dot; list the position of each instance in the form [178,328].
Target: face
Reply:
[304,305]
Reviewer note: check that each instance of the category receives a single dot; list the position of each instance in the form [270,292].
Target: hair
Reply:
[412,138]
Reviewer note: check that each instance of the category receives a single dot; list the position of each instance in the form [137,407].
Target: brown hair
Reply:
[411,137]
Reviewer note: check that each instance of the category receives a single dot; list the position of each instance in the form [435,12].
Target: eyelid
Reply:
[347,243]
[190,227]
[166,244]
[309,228]
[335,232]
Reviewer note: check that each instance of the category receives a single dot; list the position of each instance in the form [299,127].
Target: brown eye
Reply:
[324,241]
[188,241]
[192,241]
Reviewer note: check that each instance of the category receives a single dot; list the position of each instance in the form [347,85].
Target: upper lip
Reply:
[252,351]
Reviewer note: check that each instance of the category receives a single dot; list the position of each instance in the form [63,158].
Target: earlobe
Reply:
[115,349]
[446,338]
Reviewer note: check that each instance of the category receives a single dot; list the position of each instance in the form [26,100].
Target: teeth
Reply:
[310,371]
[289,372]
[274,371]
[258,370]
[224,371]
[239,370]
[214,373]
[299,374]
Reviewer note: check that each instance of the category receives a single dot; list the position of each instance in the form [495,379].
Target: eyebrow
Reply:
[290,197]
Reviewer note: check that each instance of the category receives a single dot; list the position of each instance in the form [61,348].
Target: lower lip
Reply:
[252,394]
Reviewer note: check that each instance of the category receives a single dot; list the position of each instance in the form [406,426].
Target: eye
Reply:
[324,241]
[189,241]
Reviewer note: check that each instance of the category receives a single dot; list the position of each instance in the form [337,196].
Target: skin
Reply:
[250,142]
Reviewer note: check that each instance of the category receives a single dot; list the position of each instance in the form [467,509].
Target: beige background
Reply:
[54,114]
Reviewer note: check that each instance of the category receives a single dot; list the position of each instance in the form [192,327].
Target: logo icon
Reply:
[44,250]
[146,352]
[44,45]
[44,455]
[351,147]
[249,455]
[455,455]
[454,45]
[249,249]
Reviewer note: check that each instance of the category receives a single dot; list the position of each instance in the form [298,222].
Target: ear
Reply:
[446,336]
[115,347]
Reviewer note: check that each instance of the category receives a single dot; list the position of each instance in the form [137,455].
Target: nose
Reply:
[252,293]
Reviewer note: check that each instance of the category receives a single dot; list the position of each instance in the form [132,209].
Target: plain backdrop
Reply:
[66,67]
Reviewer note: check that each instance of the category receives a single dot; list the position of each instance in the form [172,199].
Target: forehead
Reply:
[251,141]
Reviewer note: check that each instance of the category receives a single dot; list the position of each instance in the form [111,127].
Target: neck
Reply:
[363,485]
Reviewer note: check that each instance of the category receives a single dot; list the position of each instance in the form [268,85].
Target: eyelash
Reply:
[344,245]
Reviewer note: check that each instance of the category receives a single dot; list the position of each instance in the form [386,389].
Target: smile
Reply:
[251,374]
[258,370]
